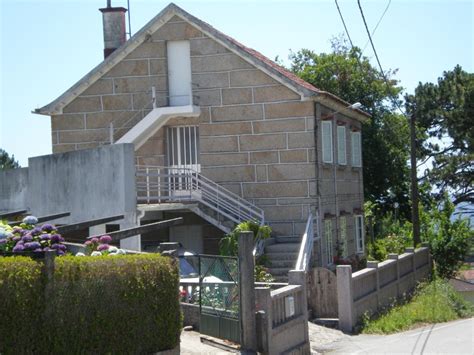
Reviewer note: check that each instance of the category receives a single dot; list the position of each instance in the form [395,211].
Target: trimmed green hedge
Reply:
[121,304]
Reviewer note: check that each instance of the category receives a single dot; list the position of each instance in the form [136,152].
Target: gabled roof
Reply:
[290,80]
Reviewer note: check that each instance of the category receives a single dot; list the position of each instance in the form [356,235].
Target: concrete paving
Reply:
[191,344]
[443,338]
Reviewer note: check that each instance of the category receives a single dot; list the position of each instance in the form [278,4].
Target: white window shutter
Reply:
[356,149]
[327,141]
[341,145]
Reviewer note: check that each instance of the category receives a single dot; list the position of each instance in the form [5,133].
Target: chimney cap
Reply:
[113,9]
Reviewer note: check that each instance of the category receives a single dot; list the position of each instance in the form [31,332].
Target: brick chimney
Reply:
[113,19]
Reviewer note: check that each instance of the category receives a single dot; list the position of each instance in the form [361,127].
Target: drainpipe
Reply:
[335,162]
[318,177]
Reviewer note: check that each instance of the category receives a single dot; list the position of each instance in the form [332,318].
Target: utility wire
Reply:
[344,23]
[378,23]
[395,101]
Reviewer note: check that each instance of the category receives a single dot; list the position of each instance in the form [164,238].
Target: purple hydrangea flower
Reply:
[62,247]
[103,247]
[3,241]
[47,249]
[17,229]
[18,248]
[34,245]
[105,239]
[55,238]
[60,252]
[55,246]
[95,240]
[36,231]
[45,236]
[16,239]
[38,250]
[88,242]
[47,228]
[27,238]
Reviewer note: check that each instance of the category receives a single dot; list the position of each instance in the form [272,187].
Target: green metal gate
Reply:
[219,297]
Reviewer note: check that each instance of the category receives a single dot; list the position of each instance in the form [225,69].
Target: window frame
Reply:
[329,241]
[343,235]
[356,146]
[323,141]
[359,233]
[341,128]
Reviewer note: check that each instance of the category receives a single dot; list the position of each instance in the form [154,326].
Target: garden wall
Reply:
[89,183]
[378,285]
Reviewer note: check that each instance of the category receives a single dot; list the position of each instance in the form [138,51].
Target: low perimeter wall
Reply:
[378,285]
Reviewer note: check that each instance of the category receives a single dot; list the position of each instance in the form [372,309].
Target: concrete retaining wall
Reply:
[379,285]
[92,183]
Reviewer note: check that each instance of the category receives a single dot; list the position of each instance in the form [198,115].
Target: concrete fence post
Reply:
[397,267]
[375,265]
[49,257]
[296,277]
[345,300]
[248,326]
[264,319]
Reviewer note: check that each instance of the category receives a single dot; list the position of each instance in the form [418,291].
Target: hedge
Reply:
[123,304]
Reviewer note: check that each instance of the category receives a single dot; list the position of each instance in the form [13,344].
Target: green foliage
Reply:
[22,300]
[444,112]
[229,245]
[449,240]
[7,162]
[262,275]
[120,304]
[385,139]
[433,302]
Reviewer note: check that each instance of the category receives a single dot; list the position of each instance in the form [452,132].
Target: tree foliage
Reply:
[445,114]
[7,162]
[385,138]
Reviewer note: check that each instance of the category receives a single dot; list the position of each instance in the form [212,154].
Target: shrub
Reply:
[121,304]
[229,245]
[21,295]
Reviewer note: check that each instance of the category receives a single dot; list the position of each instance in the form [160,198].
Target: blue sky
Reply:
[46,46]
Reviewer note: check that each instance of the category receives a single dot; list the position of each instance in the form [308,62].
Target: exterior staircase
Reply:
[282,257]
[215,204]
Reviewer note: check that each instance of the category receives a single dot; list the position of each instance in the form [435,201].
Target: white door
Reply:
[179,73]
[183,158]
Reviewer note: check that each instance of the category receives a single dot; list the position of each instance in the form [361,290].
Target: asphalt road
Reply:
[443,338]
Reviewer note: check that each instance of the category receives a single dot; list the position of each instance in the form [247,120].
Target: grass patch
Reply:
[433,302]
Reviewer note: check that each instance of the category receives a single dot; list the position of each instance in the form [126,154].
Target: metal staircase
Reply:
[215,204]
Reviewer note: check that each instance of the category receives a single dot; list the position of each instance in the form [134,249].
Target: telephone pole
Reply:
[415,217]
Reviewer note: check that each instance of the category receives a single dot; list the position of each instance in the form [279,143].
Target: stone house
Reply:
[209,115]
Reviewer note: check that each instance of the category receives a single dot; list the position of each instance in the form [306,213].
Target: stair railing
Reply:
[157,184]
[306,248]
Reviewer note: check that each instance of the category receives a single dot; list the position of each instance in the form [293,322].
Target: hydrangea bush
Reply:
[28,237]
[101,246]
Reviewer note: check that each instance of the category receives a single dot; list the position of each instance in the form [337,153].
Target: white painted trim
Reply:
[156,119]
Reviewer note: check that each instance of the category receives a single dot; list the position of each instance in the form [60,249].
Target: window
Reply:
[179,73]
[328,236]
[341,145]
[356,149]
[359,233]
[343,241]
[327,141]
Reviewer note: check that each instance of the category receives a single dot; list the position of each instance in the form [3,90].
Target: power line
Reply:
[377,58]
[378,23]
[344,23]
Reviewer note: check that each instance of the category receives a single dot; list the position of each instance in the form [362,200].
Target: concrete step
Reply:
[288,239]
[283,248]
[281,256]
[278,263]
[327,322]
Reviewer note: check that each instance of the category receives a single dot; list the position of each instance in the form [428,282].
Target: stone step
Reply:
[281,256]
[288,239]
[281,278]
[278,263]
[282,248]
[327,322]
